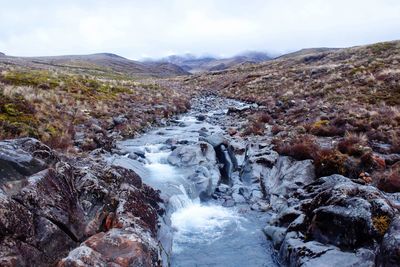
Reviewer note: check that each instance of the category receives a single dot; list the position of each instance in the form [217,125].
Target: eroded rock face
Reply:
[105,212]
[338,221]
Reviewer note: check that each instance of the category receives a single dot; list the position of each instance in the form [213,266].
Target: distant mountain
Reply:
[194,64]
[308,51]
[102,62]
[2,54]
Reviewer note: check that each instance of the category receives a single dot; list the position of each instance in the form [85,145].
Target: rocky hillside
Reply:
[195,64]
[75,108]
[338,107]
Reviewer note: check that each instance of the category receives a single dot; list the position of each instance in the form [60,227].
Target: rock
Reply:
[229,203]
[215,140]
[117,247]
[232,110]
[348,214]
[238,198]
[48,214]
[389,251]
[119,120]
[284,178]
[192,155]
[22,157]
[296,252]
[391,158]
[276,234]
[201,117]
[205,181]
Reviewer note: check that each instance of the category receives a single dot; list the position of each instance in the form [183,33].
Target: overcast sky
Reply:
[156,28]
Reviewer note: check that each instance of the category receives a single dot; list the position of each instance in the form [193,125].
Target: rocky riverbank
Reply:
[93,210]
[64,211]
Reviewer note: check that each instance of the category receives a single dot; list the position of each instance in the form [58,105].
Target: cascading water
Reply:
[204,233]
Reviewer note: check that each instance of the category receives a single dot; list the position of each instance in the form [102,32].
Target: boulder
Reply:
[205,181]
[22,157]
[116,247]
[389,251]
[347,214]
[297,252]
[192,155]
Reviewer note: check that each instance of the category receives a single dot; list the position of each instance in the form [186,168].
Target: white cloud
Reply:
[158,27]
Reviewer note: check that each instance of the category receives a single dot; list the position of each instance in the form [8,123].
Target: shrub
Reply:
[381,223]
[263,117]
[254,127]
[330,161]
[276,129]
[301,148]
[353,144]
[324,128]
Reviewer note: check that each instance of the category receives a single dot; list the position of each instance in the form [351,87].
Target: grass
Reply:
[52,105]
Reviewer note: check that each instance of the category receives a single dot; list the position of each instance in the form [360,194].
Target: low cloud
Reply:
[156,28]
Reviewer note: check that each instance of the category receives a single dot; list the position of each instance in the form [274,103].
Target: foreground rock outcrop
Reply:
[336,220]
[73,212]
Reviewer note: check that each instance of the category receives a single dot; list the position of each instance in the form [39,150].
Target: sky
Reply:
[157,28]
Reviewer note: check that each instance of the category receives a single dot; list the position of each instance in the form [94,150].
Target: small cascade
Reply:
[195,232]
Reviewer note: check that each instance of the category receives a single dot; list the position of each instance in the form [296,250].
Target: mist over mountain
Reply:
[197,64]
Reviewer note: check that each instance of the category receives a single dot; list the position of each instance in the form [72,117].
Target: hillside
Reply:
[195,64]
[345,100]
[103,63]
[79,103]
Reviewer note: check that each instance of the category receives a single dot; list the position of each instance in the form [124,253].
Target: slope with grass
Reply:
[86,108]
[345,100]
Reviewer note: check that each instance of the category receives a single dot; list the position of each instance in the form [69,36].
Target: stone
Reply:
[22,157]
[116,247]
[201,117]
[389,251]
[215,140]
[348,215]
[192,155]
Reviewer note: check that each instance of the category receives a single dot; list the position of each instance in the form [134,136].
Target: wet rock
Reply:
[215,140]
[229,203]
[201,117]
[283,179]
[205,181]
[238,198]
[192,155]
[276,234]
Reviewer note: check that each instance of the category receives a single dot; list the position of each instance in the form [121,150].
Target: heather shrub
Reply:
[300,148]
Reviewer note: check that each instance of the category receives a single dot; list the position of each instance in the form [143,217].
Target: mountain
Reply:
[2,54]
[102,62]
[308,51]
[194,64]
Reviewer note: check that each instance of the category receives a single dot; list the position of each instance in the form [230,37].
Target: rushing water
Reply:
[203,233]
